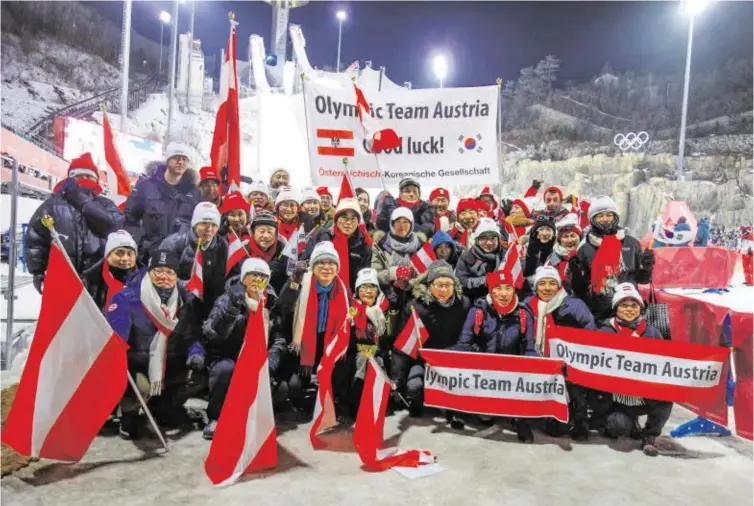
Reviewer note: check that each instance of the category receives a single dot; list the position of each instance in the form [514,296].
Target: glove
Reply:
[38,282]
[73,193]
[195,362]
[404,273]
[476,282]
[648,259]
[392,297]
[298,271]
[536,184]
[395,398]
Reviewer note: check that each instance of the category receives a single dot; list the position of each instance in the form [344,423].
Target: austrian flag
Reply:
[236,252]
[331,142]
[413,335]
[377,139]
[195,283]
[423,257]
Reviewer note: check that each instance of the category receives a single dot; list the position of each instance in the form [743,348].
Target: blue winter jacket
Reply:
[702,234]
[505,335]
[156,209]
[129,320]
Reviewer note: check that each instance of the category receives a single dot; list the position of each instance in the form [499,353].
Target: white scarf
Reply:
[543,309]
[376,315]
[165,318]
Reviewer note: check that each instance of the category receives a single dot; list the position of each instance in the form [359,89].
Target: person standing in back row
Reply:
[162,204]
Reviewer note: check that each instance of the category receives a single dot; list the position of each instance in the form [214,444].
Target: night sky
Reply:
[485,40]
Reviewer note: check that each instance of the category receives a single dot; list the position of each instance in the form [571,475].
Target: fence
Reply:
[10,296]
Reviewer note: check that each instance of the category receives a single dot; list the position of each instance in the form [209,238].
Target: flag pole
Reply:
[306,122]
[376,160]
[49,223]
[499,83]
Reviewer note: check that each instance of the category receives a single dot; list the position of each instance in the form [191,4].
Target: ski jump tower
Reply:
[280,14]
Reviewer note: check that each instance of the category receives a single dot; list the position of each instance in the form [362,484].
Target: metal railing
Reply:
[12,260]
[44,128]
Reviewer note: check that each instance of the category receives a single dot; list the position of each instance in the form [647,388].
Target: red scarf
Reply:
[505,310]
[446,214]
[626,331]
[359,314]
[340,241]
[286,230]
[403,203]
[606,263]
[563,264]
[113,285]
[257,252]
[337,312]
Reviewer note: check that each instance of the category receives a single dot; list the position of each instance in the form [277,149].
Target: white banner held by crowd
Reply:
[448,136]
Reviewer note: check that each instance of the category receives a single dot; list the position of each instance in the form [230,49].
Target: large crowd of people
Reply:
[312,263]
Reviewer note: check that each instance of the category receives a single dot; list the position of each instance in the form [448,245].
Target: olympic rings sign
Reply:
[631,140]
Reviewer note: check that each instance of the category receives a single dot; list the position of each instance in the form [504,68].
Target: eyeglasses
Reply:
[164,273]
[489,239]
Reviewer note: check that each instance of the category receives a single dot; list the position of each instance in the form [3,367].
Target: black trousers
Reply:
[408,375]
[622,418]
[174,388]
[583,399]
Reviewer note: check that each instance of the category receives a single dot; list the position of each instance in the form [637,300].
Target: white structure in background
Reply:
[190,51]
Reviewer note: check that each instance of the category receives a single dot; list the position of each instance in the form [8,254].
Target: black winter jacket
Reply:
[424,216]
[359,252]
[225,327]
[472,270]
[632,271]
[83,221]
[537,253]
[95,283]
[156,209]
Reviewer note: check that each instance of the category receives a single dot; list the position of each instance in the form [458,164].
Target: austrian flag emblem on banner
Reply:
[335,142]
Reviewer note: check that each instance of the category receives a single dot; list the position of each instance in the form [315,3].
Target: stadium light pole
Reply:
[171,83]
[125,55]
[691,8]
[341,15]
[440,67]
[164,20]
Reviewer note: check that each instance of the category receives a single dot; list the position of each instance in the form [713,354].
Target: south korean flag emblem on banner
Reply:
[470,143]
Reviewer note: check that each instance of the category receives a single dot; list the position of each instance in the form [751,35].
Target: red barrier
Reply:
[702,322]
[686,267]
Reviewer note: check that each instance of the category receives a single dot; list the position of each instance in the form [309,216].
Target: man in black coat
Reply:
[410,197]
[82,217]
[482,258]
[163,203]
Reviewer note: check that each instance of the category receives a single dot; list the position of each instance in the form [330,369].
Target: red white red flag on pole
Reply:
[324,408]
[512,261]
[378,139]
[413,335]
[236,252]
[422,259]
[226,141]
[120,185]
[195,283]
[495,385]
[370,425]
[245,437]
[649,368]
[74,376]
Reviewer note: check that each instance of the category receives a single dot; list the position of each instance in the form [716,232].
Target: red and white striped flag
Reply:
[378,139]
[195,283]
[512,262]
[236,251]
[370,425]
[413,335]
[422,259]
[324,409]
[75,373]
[245,438]
[116,175]
[226,141]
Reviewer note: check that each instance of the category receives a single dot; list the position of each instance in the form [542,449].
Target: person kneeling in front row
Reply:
[623,419]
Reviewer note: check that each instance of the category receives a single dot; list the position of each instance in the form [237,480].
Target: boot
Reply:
[579,431]
[648,446]
[455,421]
[556,428]
[209,430]
[416,409]
[131,425]
[525,435]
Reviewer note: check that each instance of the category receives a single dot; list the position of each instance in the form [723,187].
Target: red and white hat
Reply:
[83,166]
[233,201]
[498,278]
[625,291]
[208,173]
[553,189]
[569,223]
[439,192]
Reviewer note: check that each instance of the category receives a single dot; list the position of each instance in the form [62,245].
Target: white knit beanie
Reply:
[626,291]
[177,149]
[401,212]
[308,194]
[602,204]
[258,186]
[205,212]
[324,250]
[348,204]
[545,272]
[284,195]
[366,276]
[486,226]
[254,266]
[119,239]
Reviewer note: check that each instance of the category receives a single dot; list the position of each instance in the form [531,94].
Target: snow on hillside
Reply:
[43,75]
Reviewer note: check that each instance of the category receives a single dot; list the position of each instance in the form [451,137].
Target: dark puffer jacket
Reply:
[511,334]
[214,258]
[130,321]
[95,283]
[359,252]
[650,332]
[82,220]
[225,327]
[537,252]
[156,209]
[424,216]
[632,271]
[472,270]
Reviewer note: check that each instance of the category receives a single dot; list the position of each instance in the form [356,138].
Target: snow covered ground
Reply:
[482,467]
